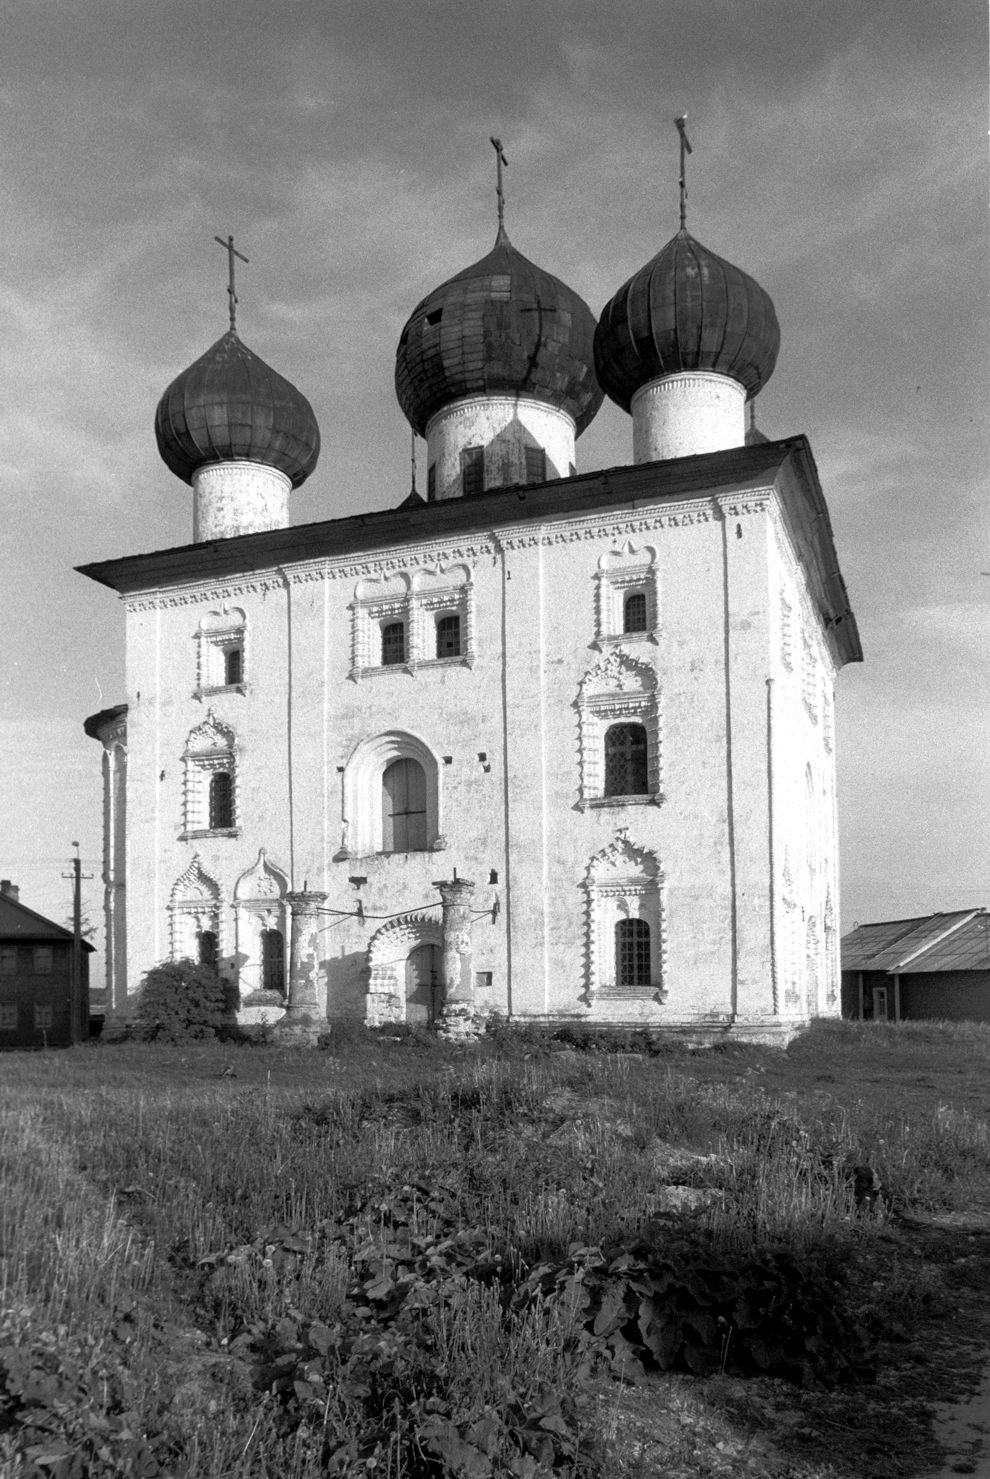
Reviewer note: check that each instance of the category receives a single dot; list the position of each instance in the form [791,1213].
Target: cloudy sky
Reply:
[839,157]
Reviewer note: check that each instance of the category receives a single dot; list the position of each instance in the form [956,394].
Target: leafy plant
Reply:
[181,1001]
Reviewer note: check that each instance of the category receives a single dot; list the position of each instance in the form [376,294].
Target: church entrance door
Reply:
[422,980]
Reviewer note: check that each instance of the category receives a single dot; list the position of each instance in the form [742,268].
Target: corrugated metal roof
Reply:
[954,941]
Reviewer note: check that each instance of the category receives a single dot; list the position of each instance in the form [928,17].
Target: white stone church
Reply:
[548,743]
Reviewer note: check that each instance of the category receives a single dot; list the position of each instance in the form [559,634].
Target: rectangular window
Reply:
[393,643]
[449,636]
[404,807]
[536,465]
[8,960]
[233,665]
[44,1018]
[632,953]
[42,960]
[8,1016]
[431,483]
[482,978]
[473,470]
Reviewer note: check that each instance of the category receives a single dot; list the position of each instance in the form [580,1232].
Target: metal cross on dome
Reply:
[232,252]
[500,161]
[685,149]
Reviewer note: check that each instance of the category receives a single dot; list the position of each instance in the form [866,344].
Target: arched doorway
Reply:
[422,981]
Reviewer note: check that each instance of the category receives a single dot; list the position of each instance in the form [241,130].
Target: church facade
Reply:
[548,744]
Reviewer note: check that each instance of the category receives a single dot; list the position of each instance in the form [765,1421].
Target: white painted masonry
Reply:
[231,498]
[728,855]
[502,428]
[688,413]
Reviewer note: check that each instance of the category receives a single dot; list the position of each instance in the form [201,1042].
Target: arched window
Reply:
[272,960]
[632,953]
[206,949]
[625,760]
[404,807]
[221,800]
[393,643]
[449,636]
[634,612]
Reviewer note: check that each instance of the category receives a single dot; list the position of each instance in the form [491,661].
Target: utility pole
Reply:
[75,982]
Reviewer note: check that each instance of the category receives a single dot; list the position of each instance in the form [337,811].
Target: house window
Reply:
[233,665]
[449,636]
[431,483]
[634,612]
[536,465]
[221,801]
[393,643]
[44,1018]
[8,1016]
[207,951]
[626,760]
[272,960]
[8,960]
[42,960]
[473,470]
[404,807]
[632,953]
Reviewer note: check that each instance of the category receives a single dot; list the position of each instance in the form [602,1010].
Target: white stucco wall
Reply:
[725,855]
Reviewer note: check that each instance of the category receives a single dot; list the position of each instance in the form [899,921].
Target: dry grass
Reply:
[139,1186]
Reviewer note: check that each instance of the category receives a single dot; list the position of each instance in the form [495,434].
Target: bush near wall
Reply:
[181,1000]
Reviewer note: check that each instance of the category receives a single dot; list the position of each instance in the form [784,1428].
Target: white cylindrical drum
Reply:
[686,414]
[238,498]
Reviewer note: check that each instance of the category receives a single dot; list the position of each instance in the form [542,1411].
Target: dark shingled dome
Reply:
[686,310]
[500,327]
[231,406]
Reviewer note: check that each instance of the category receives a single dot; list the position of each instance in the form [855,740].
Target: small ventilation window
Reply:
[434,318]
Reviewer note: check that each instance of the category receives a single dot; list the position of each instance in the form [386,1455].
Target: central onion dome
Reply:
[686,342]
[229,406]
[512,342]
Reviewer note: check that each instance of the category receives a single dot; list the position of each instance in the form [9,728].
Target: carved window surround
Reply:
[210,748]
[419,611]
[218,632]
[195,906]
[619,689]
[612,587]
[623,881]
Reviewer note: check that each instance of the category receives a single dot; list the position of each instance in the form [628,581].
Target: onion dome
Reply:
[501,327]
[686,310]
[229,406]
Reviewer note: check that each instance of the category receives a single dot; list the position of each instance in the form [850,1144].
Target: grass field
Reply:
[400,1258]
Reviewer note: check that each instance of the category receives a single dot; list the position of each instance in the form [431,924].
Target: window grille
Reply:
[431,483]
[449,636]
[233,666]
[536,465]
[632,953]
[42,960]
[221,801]
[634,612]
[207,949]
[272,960]
[393,643]
[404,807]
[473,470]
[625,761]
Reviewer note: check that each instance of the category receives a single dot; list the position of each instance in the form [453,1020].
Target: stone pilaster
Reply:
[304,1021]
[458,1017]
